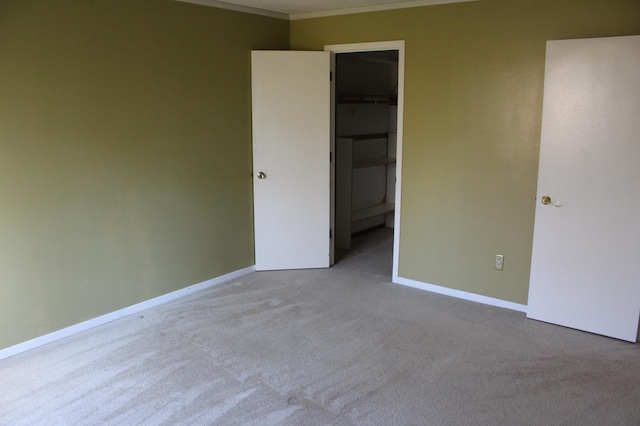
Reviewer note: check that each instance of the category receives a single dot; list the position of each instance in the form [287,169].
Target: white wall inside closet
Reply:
[366,141]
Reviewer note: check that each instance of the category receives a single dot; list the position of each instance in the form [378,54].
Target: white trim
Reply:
[238,8]
[332,175]
[366,47]
[377,46]
[321,14]
[463,295]
[373,8]
[121,313]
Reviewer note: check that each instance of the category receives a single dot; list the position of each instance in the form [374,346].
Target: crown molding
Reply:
[238,8]
[374,8]
[310,15]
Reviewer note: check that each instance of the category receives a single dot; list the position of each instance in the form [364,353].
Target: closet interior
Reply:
[366,135]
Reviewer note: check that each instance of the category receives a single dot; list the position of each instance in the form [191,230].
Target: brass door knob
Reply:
[546,200]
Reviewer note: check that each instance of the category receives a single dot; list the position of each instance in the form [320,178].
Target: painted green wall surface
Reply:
[125,139]
[125,154]
[473,108]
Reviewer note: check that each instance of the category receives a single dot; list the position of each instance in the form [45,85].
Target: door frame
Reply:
[371,47]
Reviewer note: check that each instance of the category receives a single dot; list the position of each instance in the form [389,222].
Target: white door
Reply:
[585,270]
[291,98]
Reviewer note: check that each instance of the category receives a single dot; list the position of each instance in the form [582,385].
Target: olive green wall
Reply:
[125,153]
[473,106]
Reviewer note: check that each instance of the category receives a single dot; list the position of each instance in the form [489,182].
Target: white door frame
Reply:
[377,46]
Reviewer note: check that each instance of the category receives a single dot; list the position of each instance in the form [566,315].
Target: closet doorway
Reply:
[368,85]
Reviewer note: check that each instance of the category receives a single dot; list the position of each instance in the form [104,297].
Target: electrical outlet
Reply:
[499,264]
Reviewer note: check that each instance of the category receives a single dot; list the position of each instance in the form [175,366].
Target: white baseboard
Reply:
[120,313]
[462,295]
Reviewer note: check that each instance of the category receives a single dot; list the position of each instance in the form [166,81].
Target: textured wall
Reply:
[473,107]
[125,153]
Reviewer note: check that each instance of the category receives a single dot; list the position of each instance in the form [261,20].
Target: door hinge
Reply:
[330,75]
[330,234]
[330,156]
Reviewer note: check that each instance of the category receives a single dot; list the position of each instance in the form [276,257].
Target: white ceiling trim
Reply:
[238,8]
[374,8]
[336,12]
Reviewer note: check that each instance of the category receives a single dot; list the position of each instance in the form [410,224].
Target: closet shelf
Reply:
[372,211]
[354,98]
[365,136]
[373,163]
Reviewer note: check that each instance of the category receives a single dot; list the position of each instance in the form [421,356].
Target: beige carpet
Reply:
[325,347]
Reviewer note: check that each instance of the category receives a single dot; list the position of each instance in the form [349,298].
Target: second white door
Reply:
[585,268]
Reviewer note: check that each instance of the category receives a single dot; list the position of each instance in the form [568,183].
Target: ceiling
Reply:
[301,9]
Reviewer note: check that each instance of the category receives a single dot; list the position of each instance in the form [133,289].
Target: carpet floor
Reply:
[341,346]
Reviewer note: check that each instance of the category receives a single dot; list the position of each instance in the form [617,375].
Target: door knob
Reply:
[261,175]
[546,200]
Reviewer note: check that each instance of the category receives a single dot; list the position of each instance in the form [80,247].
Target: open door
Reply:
[585,264]
[291,104]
